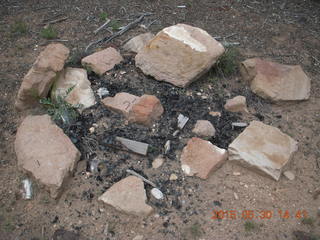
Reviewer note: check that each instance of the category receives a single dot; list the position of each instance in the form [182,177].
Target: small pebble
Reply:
[236,196]
[173,177]
[158,162]
[91,130]
[157,193]
[236,173]
[290,175]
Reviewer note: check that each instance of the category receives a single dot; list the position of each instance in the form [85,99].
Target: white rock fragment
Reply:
[102,92]
[182,121]
[157,193]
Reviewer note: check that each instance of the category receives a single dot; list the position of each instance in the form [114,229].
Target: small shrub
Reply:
[103,16]
[48,33]
[196,230]
[19,27]
[227,64]
[60,110]
[249,226]
[115,25]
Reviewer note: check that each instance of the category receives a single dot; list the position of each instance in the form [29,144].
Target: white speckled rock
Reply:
[179,54]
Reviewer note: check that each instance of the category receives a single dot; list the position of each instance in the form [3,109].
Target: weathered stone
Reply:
[129,196]
[121,103]
[262,148]
[158,162]
[274,81]
[237,104]
[290,175]
[137,43]
[77,79]
[204,128]
[201,158]
[43,150]
[146,110]
[179,54]
[102,61]
[38,81]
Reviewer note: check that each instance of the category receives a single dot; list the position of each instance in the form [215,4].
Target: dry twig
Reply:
[119,33]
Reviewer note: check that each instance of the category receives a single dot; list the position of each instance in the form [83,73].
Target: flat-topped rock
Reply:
[200,158]
[144,110]
[179,54]
[44,151]
[39,79]
[121,103]
[204,129]
[102,61]
[262,148]
[128,196]
[274,81]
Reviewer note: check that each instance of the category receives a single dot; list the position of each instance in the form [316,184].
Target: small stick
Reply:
[102,26]
[58,20]
[59,40]
[141,177]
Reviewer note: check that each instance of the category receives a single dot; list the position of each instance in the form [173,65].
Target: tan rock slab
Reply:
[179,54]
[138,42]
[237,104]
[200,158]
[129,196]
[146,110]
[77,79]
[262,148]
[44,151]
[121,103]
[204,128]
[102,61]
[274,81]
[38,81]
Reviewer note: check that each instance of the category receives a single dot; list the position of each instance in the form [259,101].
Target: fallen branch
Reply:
[141,177]
[102,26]
[119,33]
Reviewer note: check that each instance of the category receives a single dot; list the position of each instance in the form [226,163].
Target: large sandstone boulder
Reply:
[200,158]
[77,79]
[38,81]
[138,42]
[102,61]
[262,148]
[274,81]
[129,196]
[179,54]
[45,152]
